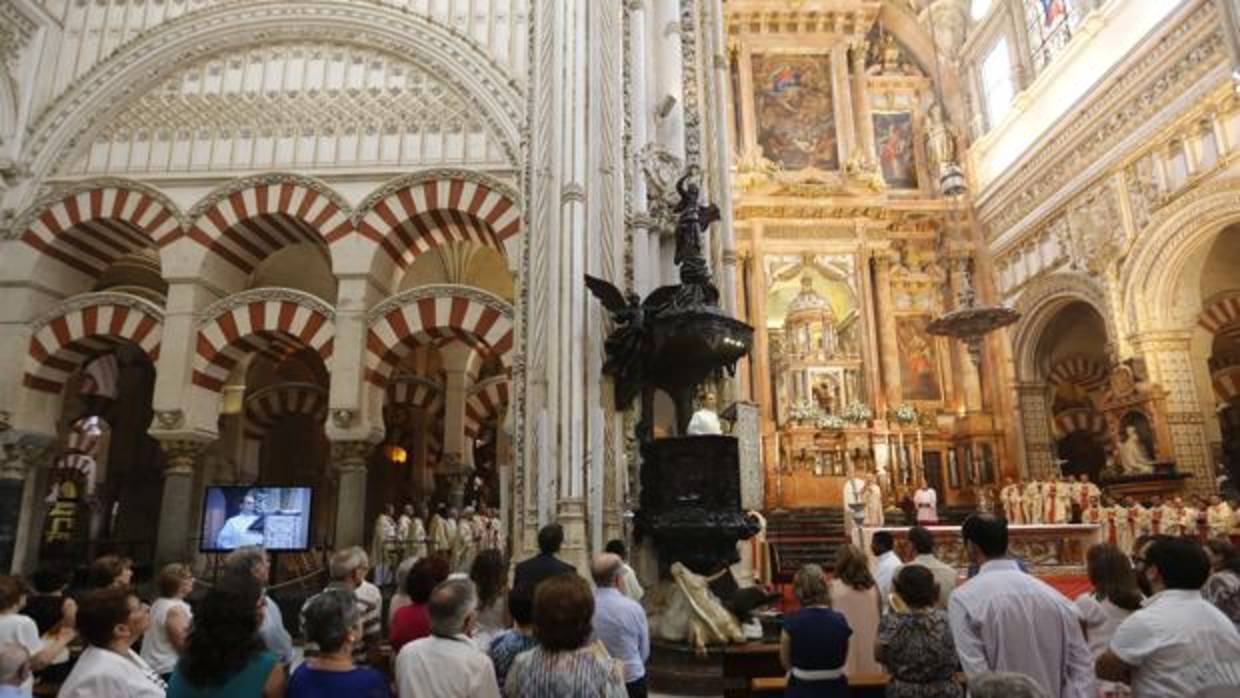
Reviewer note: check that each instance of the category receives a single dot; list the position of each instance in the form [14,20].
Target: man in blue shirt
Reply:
[620,623]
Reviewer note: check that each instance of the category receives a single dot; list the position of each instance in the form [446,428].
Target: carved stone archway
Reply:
[71,121]
[1040,302]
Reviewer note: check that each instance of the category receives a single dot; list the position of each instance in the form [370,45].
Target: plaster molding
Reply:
[1040,301]
[94,99]
[263,295]
[1175,232]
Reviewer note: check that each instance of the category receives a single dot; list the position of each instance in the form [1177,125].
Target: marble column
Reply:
[349,464]
[888,350]
[174,542]
[457,462]
[181,408]
[1169,360]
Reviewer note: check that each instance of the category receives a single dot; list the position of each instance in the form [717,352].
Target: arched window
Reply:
[997,87]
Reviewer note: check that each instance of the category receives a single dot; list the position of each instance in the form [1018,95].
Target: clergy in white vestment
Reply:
[1006,620]
[926,503]
[1218,517]
[873,498]
[1033,502]
[854,496]
[236,532]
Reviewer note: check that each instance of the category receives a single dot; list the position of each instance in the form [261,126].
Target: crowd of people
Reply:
[1163,620]
[449,632]
[455,535]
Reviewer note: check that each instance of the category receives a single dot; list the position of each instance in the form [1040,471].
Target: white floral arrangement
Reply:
[805,412]
[905,414]
[857,413]
[830,421]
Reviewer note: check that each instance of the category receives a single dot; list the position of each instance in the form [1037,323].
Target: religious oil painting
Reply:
[893,138]
[919,359]
[795,111]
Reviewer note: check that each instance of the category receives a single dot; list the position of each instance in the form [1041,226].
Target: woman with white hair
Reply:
[332,621]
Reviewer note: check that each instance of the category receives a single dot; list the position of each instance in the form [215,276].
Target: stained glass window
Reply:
[1051,24]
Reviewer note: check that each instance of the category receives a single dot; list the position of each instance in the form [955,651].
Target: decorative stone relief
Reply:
[1145,195]
[1091,236]
[169,419]
[1137,95]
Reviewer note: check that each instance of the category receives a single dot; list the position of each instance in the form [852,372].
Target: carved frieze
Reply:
[1135,96]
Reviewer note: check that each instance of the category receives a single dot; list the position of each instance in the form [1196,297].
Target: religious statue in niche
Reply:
[795,111]
[893,138]
[1136,445]
[919,360]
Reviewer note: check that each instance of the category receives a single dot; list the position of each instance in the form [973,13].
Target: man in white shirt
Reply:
[1006,620]
[1177,634]
[620,623]
[944,574]
[348,569]
[883,547]
[111,620]
[446,664]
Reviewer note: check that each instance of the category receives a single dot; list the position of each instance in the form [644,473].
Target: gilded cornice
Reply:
[1168,69]
[806,17]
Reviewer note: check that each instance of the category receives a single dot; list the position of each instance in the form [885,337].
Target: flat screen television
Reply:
[277,518]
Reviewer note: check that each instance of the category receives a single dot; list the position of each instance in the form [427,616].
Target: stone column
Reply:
[668,80]
[458,458]
[22,457]
[349,464]
[177,534]
[1035,427]
[889,356]
[1170,364]
[180,406]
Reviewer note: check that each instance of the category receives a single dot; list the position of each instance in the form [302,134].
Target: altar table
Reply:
[1046,548]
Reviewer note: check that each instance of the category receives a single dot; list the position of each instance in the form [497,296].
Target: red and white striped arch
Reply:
[88,229]
[1088,372]
[1084,420]
[486,401]
[268,406]
[100,377]
[431,314]
[259,321]
[84,436]
[255,217]
[432,210]
[1222,317]
[87,327]
[1227,383]
[425,394]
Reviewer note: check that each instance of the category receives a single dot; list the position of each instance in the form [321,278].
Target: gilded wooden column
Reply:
[970,384]
[888,350]
[844,102]
[861,102]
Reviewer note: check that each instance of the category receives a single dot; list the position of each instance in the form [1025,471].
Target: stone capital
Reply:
[350,455]
[23,453]
[182,452]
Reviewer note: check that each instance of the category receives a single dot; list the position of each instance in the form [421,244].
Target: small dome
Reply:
[808,299]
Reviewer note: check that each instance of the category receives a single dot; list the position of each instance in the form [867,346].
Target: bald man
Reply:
[620,622]
[14,670]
